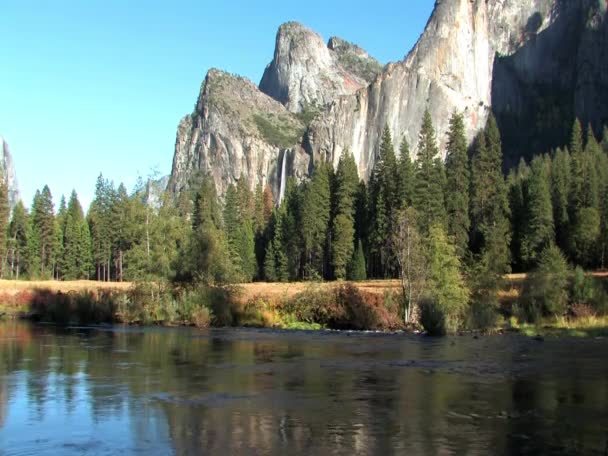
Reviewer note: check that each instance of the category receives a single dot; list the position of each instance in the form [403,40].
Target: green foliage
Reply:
[316,213]
[410,252]
[19,234]
[343,307]
[405,175]
[545,291]
[278,130]
[539,229]
[447,295]
[458,185]
[357,269]
[4,223]
[43,234]
[585,234]
[490,200]
[365,67]
[560,191]
[429,196]
[342,245]
[343,225]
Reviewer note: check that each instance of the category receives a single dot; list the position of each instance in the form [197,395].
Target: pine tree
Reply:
[231,213]
[343,230]
[539,230]
[357,269]
[100,227]
[591,178]
[245,248]
[316,214]
[19,231]
[405,172]
[516,183]
[458,185]
[560,190]
[245,200]
[76,242]
[447,291]
[578,169]
[4,223]
[270,265]
[347,181]
[43,227]
[489,198]
[605,139]
[429,198]
[342,246]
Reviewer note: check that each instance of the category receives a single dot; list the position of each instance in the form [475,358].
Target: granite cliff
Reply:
[8,174]
[535,63]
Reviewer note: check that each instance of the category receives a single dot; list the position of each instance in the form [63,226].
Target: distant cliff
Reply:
[536,63]
[8,174]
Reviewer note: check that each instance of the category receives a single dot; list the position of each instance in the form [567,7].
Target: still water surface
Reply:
[229,391]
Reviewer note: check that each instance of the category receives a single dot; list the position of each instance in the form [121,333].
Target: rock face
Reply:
[237,132]
[8,173]
[535,63]
[306,73]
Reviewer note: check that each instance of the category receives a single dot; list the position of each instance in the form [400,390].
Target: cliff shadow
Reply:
[551,79]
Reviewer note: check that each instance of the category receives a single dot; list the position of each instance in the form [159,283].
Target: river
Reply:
[116,390]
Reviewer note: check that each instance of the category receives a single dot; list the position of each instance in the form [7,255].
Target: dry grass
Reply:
[275,292]
[10,287]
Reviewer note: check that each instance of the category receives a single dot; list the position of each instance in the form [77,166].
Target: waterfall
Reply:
[283,178]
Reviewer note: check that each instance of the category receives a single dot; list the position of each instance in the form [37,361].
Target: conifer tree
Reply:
[446,289]
[591,178]
[246,204]
[270,266]
[539,230]
[342,246]
[560,190]
[343,226]
[315,220]
[429,198]
[100,227]
[43,226]
[245,249]
[458,185]
[18,233]
[76,242]
[231,213]
[357,269]
[605,139]
[362,217]
[578,169]
[4,223]
[405,183]
[490,201]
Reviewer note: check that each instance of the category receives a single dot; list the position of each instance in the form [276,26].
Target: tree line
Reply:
[333,226]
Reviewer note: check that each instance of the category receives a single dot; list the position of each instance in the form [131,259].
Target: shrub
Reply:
[433,317]
[545,290]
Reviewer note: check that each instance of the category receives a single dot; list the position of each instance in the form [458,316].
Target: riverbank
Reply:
[370,305]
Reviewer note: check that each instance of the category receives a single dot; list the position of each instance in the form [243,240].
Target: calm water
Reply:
[181,391]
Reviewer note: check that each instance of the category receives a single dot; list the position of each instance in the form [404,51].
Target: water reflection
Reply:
[163,391]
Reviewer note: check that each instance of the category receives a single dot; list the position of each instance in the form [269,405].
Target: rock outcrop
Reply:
[236,131]
[536,63]
[305,73]
[8,174]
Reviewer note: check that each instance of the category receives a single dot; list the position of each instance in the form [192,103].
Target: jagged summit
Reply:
[305,71]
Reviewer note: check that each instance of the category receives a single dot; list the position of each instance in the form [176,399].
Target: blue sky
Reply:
[90,86]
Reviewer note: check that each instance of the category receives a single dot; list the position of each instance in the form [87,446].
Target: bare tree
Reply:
[409,252]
